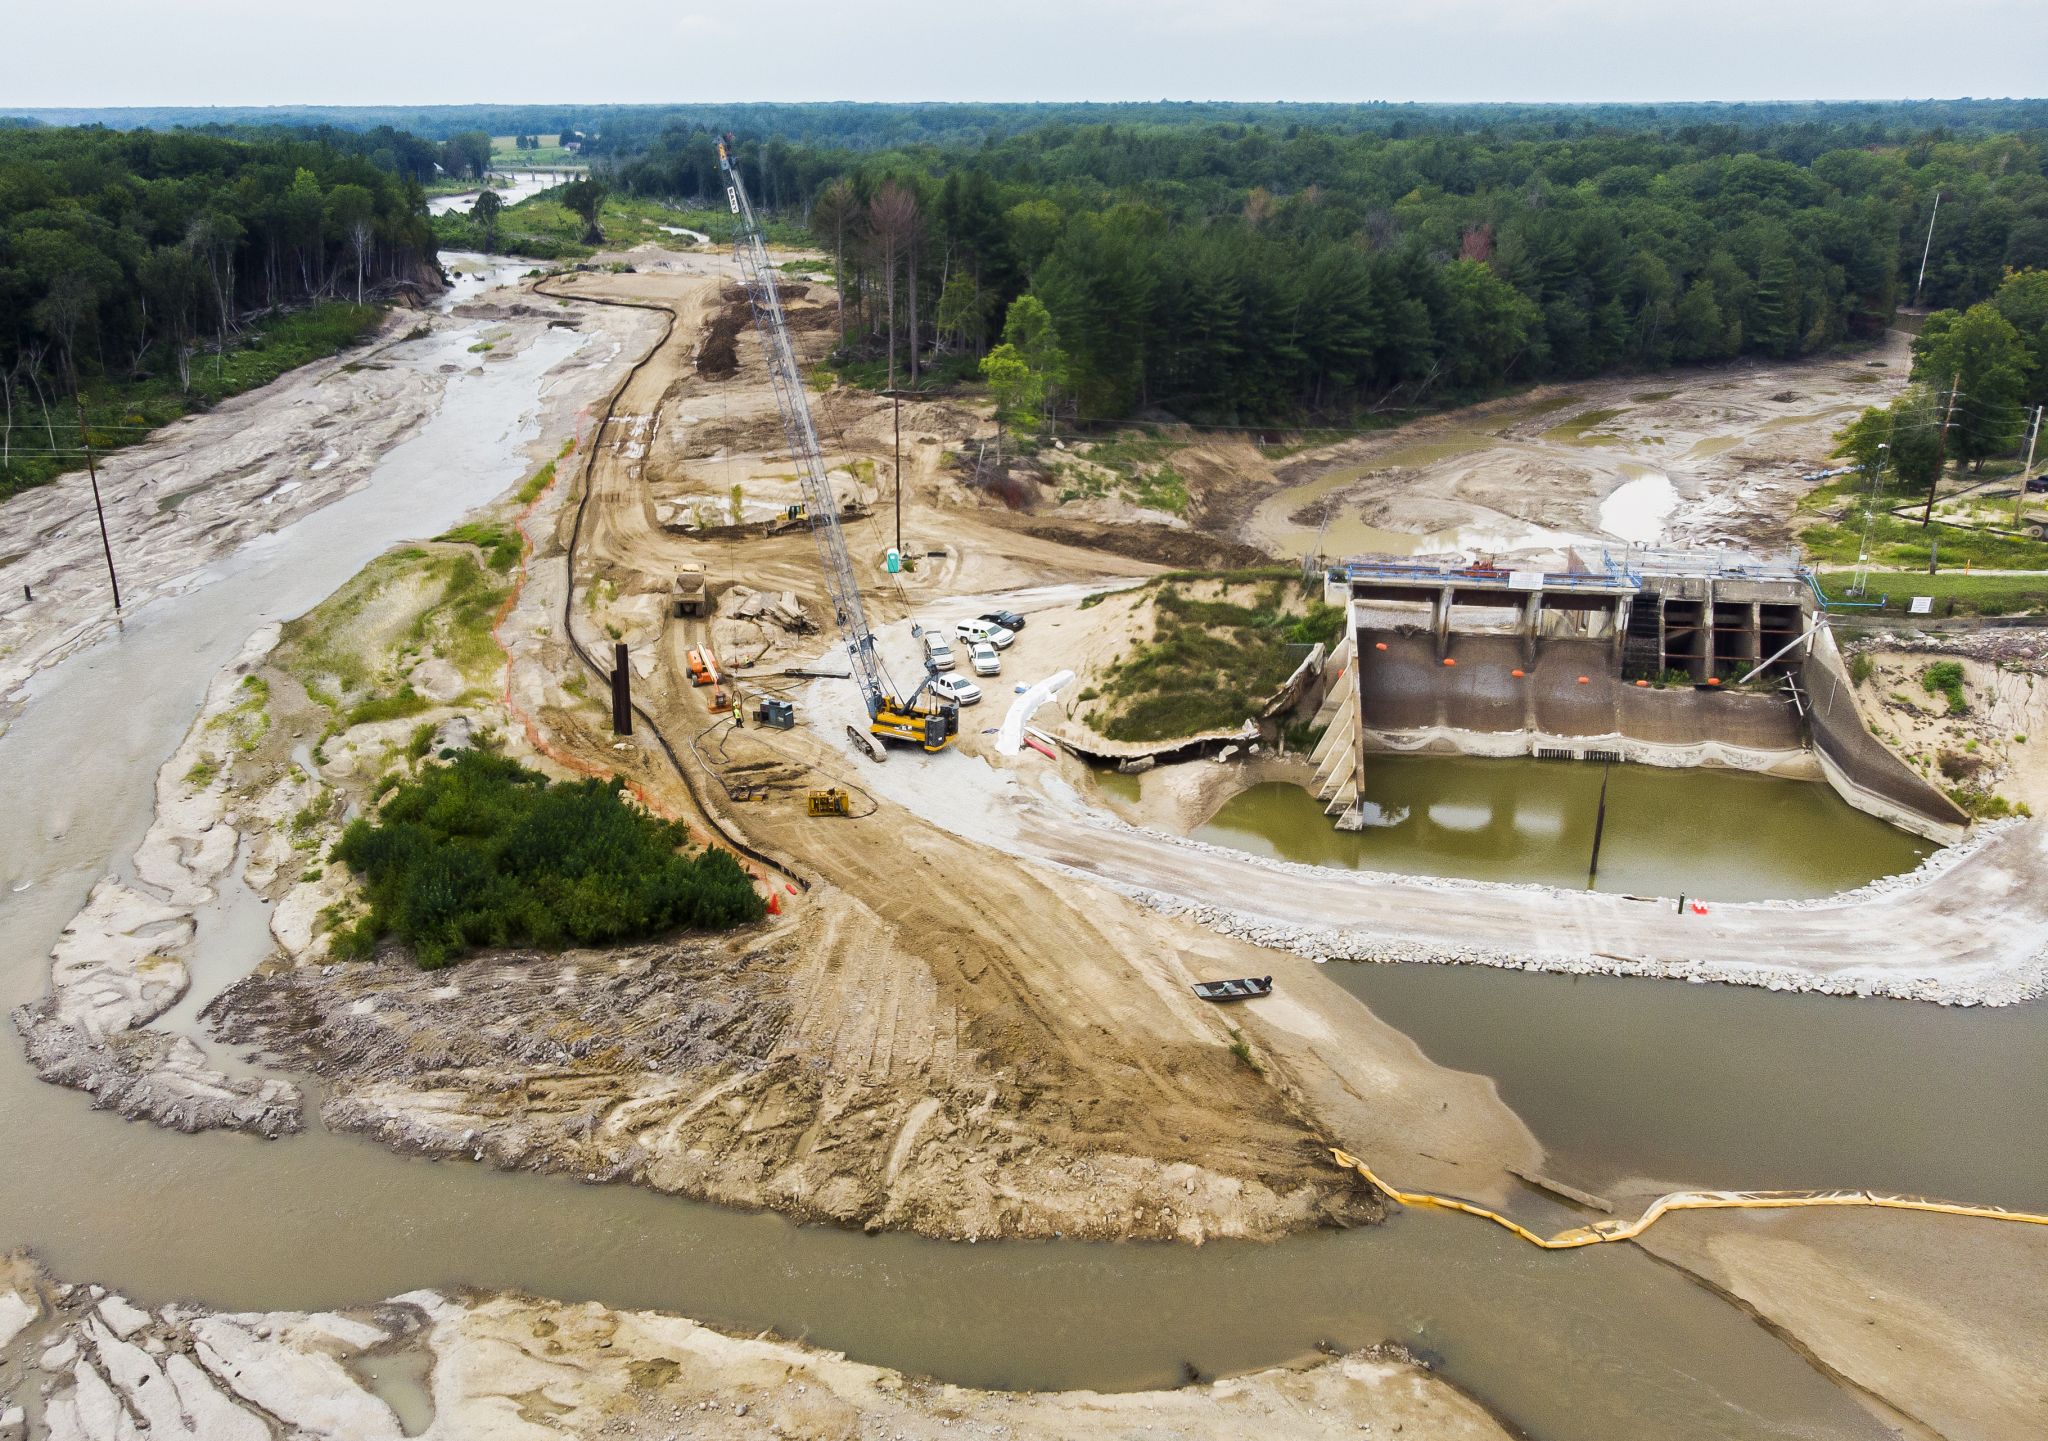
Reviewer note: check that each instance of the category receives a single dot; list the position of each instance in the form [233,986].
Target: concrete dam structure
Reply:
[1662,658]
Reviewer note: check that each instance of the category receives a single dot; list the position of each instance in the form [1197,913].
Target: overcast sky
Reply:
[363,52]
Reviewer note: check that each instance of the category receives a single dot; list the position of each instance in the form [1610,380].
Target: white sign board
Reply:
[1922,605]
[1525,580]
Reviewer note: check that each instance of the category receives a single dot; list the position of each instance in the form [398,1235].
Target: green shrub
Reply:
[1945,678]
[1860,667]
[484,852]
[421,742]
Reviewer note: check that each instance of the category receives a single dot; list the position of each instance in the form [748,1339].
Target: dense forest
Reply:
[1242,274]
[126,257]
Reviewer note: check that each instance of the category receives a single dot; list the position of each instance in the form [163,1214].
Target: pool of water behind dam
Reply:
[1714,834]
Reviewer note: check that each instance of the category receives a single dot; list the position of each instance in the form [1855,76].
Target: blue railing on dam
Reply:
[1495,575]
[1627,571]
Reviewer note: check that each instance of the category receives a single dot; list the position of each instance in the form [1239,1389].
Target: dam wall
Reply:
[1712,665]
[1861,766]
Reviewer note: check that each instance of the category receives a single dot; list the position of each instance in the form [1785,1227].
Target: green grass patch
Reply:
[1897,543]
[247,721]
[406,702]
[502,545]
[119,414]
[344,651]
[484,852]
[1981,804]
[536,484]
[1953,592]
[549,154]
[1134,465]
[1211,663]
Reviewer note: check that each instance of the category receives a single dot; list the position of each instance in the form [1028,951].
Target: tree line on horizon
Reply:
[1239,275]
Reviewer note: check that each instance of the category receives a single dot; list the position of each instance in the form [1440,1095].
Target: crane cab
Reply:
[929,727]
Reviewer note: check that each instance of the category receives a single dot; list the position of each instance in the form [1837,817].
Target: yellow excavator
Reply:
[920,718]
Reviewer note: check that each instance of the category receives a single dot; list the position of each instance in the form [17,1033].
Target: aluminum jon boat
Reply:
[1240,990]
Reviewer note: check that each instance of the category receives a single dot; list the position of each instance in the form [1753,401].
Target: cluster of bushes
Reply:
[1210,663]
[484,852]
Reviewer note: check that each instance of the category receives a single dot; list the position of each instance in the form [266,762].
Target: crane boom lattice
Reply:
[889,714]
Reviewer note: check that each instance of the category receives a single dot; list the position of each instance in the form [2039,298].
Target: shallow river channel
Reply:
[1605,1345]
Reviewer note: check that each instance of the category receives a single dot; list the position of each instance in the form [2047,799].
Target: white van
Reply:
[937,654]
[985,631]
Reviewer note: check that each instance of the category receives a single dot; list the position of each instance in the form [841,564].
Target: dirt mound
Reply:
[1184,549]
[718,354]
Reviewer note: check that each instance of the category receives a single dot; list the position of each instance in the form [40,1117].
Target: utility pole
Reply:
[100,510]
[897,396]
[1941,450]
[2019,506]
[1862,578]
[1926,249]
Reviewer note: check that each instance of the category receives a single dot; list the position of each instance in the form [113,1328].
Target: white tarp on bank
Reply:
[1010,739]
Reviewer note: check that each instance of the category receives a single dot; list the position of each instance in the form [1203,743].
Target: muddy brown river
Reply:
[1604,1345]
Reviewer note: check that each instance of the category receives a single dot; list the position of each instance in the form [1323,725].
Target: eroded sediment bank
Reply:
[93,1366]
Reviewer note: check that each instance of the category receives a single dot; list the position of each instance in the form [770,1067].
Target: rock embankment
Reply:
[1894,938]
[515,1368]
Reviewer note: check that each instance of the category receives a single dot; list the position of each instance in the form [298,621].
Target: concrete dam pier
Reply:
[1664,658]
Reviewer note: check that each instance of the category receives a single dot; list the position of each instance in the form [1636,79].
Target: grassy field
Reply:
[122,413]
[1954,592]
[544,228]
[505,152]
[1977,529]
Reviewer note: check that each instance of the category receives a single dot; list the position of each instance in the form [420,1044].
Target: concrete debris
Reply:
[781,608]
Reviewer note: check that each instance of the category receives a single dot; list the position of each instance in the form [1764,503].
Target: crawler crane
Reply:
[917,718]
